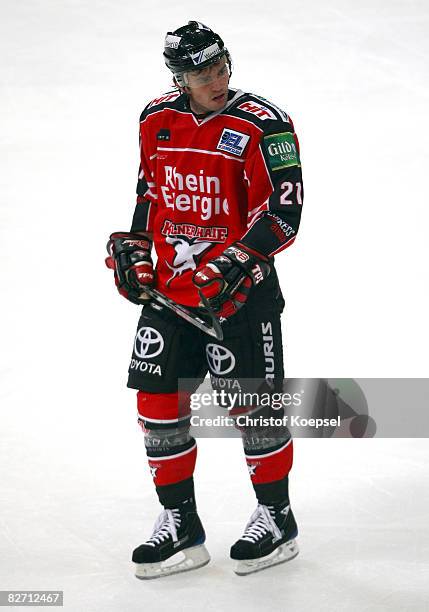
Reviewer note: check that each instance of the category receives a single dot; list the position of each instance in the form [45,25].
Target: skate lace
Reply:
[166,525]
[260,523]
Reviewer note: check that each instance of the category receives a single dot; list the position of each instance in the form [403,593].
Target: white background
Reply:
[75,493]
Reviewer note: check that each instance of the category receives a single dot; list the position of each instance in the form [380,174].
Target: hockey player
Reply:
[219,194]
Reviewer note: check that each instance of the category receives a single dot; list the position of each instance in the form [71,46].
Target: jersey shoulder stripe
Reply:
[258,110]
[170,99]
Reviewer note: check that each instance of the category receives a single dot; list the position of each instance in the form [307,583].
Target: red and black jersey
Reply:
[205,183]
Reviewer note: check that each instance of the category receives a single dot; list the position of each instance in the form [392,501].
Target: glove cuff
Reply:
[253,263]
[130,239]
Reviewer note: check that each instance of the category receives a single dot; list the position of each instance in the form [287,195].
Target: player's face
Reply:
[208,88]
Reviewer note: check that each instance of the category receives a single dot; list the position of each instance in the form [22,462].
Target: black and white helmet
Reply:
[193,47]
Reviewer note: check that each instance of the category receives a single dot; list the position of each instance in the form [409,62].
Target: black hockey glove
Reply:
[129,257]
[226,280]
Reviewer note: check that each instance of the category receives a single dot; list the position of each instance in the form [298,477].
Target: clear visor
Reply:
[219,72]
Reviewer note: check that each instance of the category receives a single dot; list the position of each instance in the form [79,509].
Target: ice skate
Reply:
[269,539]
[176,545]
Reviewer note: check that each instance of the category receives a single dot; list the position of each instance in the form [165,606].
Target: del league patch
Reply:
[232,141]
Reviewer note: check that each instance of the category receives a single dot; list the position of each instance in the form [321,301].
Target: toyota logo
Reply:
[148,343]
[220,359]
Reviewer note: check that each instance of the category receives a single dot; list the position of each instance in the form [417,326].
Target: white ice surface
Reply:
[75,493]
[70,520]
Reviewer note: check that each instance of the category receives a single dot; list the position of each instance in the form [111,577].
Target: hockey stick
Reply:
[214,329]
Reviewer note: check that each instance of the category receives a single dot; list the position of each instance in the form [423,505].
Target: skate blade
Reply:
[183,561]
[285,552]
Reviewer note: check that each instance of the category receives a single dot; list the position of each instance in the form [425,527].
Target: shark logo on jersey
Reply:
[188,254]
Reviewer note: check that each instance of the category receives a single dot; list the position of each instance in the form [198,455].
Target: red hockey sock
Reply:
[174,465]
[270,465]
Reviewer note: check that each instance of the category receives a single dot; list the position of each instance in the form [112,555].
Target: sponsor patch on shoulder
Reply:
[281,150]
[232,141]
[167,97]
[261,111]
